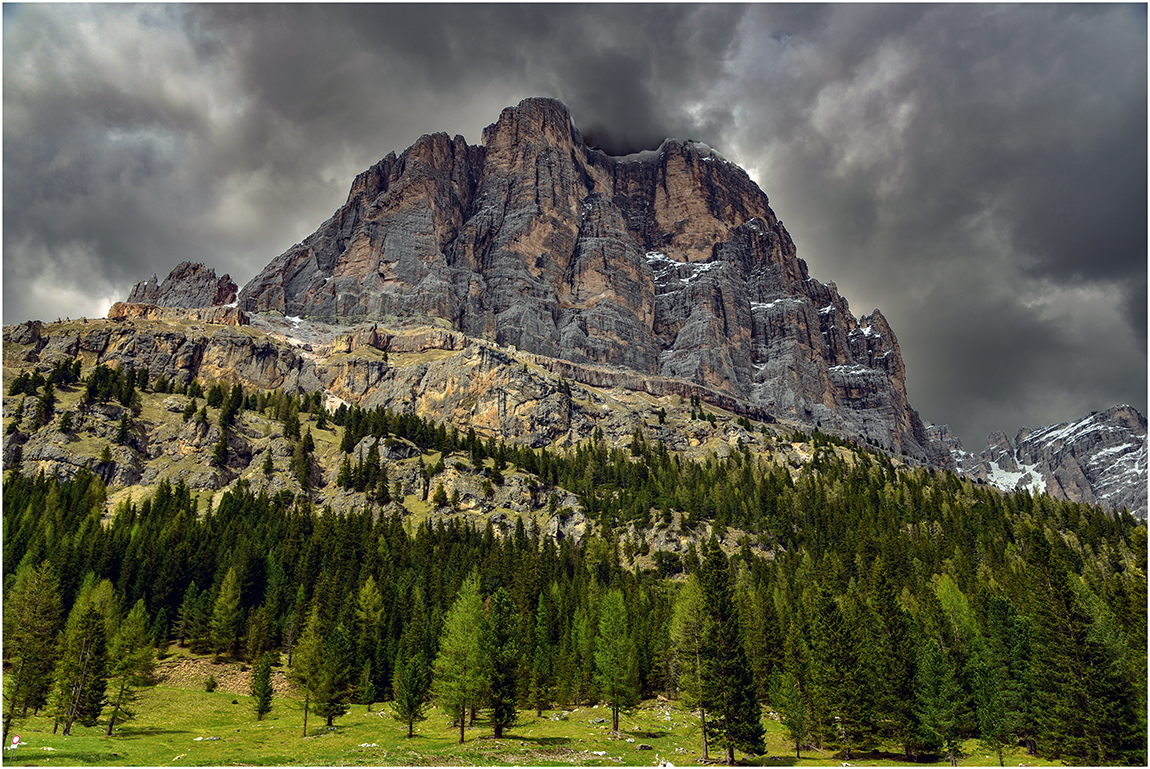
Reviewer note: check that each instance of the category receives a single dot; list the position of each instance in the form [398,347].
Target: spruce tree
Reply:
[502,648]
[937,695]
[787,700]
[687,637]
[261,687]
[727,681]
[542,655]
[410,686]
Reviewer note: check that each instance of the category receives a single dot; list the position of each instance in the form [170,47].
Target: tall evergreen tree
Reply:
[498,638]
[81,674]
[727,681]
[787,700]
[937,697]
[616,673]
[410,686]
[688,637]
[226,615]
[31,615]
[458,668]
[542,656]
[1083,696]
[333,691]
[261,687]
[132,661]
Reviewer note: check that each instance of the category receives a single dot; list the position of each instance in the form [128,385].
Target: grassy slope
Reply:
[171,719]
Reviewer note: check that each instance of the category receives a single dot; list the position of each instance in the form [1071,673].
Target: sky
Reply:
[977,172]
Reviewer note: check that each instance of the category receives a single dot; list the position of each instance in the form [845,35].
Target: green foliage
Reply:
[787,700]
[727,685]
[616,669]
[81,679]
[132,663]
[261,687]
[411,685]
[31,615]
[497,637]
[459,667]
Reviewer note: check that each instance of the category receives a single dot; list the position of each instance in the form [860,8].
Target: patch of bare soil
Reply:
[233,677]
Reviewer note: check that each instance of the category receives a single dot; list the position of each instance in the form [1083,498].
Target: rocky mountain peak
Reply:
[190,284]
[1099,459]
[669,262]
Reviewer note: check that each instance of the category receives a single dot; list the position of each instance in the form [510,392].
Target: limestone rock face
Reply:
[1100,459]
[190,284]
[669,262]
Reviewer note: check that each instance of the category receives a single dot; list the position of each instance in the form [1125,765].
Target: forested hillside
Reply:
[868,604]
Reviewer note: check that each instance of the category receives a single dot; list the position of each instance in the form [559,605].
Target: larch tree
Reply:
[31,616]
[132,661]
[616,673]
[227,615]
[687,636]
[306,659]
[459,665]
[81,676]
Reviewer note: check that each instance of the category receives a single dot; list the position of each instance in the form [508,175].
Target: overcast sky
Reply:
[978,172]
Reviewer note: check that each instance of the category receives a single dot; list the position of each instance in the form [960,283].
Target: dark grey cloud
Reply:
[977,171]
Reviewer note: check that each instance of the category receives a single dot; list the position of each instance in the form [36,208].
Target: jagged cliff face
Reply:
[669,262]
[1100,459]
[190,284]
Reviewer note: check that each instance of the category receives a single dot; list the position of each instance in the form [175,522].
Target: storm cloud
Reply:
[978,172]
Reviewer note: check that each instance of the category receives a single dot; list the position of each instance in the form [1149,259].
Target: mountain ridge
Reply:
[667,262]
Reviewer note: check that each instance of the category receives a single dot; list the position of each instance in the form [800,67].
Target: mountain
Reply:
[536,291]
[668,262]
[1099,460]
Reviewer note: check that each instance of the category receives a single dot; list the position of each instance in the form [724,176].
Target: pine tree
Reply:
[31,614]
[458,668]
[615,664]
[688,636]
[132,664]
[727,681]
[261,687]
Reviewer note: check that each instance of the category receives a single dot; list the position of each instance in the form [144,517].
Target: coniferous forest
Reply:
[881,606]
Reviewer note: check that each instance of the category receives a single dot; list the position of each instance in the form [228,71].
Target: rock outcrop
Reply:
[1100,459]
[190,284]
[668,262]
[229,316]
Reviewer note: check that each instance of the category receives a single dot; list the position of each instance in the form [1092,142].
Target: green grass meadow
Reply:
[181,727]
